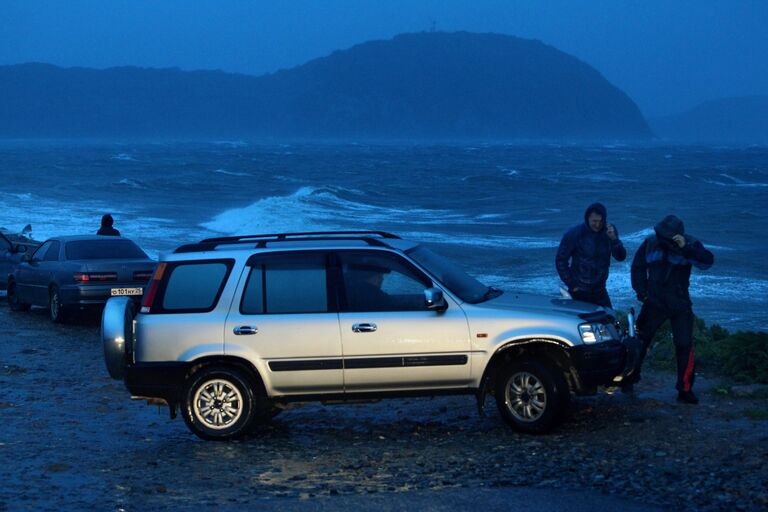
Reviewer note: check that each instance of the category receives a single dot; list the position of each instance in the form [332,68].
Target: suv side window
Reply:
[52,254]
[195,287]
[288,283]
[381,281]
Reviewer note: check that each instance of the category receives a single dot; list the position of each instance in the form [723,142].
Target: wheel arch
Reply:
[553,352]
[238,362]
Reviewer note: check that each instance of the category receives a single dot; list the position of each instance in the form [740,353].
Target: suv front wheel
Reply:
[531,396]
[218,403]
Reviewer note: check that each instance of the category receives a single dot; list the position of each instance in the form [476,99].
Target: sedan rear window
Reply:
[103,250]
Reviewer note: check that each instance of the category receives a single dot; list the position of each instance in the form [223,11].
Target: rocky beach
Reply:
[72,439]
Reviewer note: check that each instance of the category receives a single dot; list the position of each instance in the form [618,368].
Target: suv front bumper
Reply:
[603,364]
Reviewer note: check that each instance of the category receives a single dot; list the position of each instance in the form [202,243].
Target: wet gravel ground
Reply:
[72,439]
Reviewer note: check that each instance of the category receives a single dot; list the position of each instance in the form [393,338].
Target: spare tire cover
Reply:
[117,334]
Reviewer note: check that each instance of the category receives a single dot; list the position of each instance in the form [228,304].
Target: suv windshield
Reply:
[466,287]
[104,250]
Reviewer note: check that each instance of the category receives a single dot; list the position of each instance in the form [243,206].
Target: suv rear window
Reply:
[195,287]
[103,250]
[290,283]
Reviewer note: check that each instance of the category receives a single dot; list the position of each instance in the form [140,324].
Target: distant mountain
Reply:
[728,120]
[425,85]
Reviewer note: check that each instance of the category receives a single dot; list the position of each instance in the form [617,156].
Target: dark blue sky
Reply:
[667,55]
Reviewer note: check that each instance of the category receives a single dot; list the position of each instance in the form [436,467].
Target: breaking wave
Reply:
[327,208]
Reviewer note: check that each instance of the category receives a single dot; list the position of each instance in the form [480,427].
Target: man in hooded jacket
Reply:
[661,272]
[584,256]
[107,226]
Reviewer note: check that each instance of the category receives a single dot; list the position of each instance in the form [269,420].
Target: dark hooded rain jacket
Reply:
[584,256]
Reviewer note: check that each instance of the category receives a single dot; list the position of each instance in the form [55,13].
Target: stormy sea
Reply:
[498,210]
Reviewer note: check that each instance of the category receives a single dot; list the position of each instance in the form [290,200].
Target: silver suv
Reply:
[231,329]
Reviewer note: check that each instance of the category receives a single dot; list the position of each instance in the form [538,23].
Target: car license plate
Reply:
[126,291]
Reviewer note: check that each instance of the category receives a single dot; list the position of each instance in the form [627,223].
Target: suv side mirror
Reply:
[27,258]
[20,249]
[433,298]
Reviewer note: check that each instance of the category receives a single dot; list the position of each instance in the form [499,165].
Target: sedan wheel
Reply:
[55,307]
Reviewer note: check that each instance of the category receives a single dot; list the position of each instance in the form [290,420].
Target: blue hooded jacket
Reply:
[584,255]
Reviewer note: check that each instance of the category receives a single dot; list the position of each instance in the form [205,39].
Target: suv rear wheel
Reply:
[218,403]
[531,396]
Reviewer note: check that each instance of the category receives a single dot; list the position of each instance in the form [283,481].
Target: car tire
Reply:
[14,302]
[218,403]
[56,310]
[530,396]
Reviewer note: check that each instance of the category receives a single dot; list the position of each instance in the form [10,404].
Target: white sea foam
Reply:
[231,173]
[638,236]
[123,157]
[735,182]
[704,287]
[527,222]
[231,143]
[286,179]
[606,177]
[133,183]
[508,171]
[479,241]
[83,218]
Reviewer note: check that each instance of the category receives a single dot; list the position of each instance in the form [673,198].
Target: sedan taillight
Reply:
[84,277]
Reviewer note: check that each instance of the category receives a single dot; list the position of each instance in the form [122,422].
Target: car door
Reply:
[6,259]
[390,340]
[286,321]
[34,273]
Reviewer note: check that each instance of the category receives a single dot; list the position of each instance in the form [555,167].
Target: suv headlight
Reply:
[595,333]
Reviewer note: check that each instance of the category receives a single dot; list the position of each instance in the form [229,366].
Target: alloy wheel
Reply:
[217,404]
[525,396]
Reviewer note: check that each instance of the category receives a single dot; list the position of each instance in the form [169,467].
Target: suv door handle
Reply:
[364,327]
[245,329]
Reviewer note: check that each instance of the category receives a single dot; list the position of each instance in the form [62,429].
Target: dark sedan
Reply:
[74,272]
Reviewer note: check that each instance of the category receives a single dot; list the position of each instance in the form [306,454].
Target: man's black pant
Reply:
[597,297]
[648,322]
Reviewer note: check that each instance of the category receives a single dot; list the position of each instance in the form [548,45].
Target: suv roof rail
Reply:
[262,240]
[283,236]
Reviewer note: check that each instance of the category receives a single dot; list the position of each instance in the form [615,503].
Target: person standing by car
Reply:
[106,228]
[584,256]
[661,272]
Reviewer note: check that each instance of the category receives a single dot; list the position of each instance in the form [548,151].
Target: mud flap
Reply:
[480,396]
